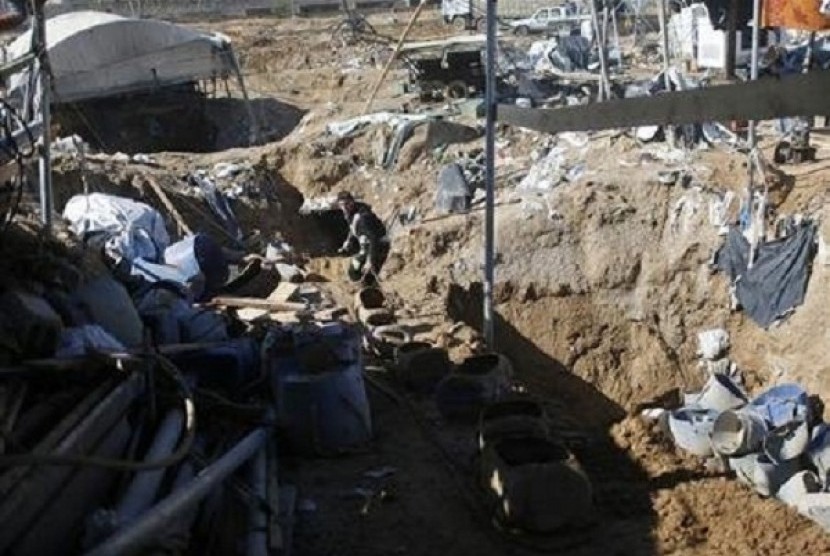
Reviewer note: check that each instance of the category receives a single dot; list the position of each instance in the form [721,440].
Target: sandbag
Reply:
[107,303]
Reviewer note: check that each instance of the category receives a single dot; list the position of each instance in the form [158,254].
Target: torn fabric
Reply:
[777,281]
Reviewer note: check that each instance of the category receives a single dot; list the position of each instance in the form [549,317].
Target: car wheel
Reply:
[522,31]
[481,25]
[456,90]
[459,23]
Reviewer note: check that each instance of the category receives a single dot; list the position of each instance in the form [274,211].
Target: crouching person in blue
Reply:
[367,236]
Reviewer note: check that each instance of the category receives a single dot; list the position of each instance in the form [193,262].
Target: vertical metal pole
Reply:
[616,30]
[598,38]
[753,70]
[490,176]
[664,31]
[45,162]
[751,135]
[731,39]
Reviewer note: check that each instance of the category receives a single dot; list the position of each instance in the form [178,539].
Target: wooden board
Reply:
[798,95]
[256,303]
[284,293]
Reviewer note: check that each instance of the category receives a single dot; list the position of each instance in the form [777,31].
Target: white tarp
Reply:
[94,54]
[137,230]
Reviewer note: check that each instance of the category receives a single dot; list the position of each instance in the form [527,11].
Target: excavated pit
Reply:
[597,306]
[182,119]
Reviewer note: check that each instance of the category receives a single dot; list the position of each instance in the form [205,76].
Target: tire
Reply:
[456,90]
[522,31]
[481,25]
[459,23]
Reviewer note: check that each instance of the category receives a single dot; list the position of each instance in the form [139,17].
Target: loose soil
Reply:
[602,287]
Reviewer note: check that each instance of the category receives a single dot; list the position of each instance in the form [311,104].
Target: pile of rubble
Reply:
[776,442]
[129,399]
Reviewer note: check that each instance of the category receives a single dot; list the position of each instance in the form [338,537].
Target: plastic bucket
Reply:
[794,490]
[721,393]
[787,442]
[691,428]
[736,433]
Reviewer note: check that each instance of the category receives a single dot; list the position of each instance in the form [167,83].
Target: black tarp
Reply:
[719,13]
[777,281]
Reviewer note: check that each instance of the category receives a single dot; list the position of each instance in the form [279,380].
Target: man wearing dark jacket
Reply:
[367,234]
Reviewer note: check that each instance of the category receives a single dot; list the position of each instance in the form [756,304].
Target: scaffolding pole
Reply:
[490,176]
[752,138]
[44,88]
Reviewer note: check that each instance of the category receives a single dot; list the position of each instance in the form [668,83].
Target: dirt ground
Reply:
[602,287]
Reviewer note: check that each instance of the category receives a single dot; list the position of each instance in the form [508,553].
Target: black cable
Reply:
[181,452]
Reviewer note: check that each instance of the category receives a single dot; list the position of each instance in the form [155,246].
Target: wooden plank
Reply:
[394,55]
[798,95]
[284,292]
[165,200]
[256,303]
[249,314]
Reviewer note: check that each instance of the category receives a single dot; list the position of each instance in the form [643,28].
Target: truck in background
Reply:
[471,14]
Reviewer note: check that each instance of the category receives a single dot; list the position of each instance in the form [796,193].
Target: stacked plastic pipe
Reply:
[775,443]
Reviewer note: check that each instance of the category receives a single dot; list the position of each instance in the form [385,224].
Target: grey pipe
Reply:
[257,518]
[143,489]
[23,504]
[491,101]
[149,526]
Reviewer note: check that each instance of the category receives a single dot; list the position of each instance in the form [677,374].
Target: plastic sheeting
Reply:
[94,54]
[453,193]
[136,230]
[90,338]
[777,281]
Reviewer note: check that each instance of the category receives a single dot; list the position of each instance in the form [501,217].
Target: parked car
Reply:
[556,19]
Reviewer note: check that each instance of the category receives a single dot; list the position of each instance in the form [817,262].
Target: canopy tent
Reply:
[94,55]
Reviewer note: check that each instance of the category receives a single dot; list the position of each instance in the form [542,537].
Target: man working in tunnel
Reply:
[366,232]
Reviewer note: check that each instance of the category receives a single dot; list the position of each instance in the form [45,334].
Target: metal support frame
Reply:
[752,137]
[490,100]
[40,121]
[44,89]
[603,67]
